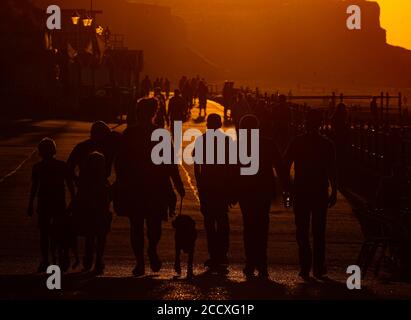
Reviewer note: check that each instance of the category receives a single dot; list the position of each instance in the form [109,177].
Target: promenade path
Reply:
[19,248]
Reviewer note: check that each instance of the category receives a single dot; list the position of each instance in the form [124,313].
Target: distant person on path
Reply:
[167,88]
[263,113]
[156,83]
[228,96]
[202,92]
[188,93]
[49,180]
[161,115]
[374,110]
[241,108]
[194,90]
[146,86]
[255,193]
[182,83]
[215,186]
[339,127]
[339,119]
[315,168]
[176,109]
[145,186]
[282,122]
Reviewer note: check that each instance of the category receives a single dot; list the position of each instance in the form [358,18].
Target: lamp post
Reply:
[75,19]
[84,23]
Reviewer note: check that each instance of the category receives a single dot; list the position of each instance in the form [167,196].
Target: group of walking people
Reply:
[221,186]
[146,193]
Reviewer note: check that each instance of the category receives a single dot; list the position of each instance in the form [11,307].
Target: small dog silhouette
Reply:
[185,238]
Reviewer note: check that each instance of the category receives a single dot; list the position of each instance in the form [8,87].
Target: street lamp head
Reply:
[100,30]
[87,22]
[75,18]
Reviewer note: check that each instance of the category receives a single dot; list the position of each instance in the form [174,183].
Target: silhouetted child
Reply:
[92,216]
[49,177]
[65,236]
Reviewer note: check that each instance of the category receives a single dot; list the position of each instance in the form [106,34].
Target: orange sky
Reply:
[396,19]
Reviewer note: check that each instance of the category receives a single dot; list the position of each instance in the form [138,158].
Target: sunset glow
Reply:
[395,19]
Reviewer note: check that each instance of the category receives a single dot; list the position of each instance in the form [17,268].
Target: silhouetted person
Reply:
[394,198]
[146,186]
[146,86]
[91,210]
[182,83]
[161,115]
[188,93]
[100,141]
[157,83]
[167,88]
[228,95]
[264,117]
[255,193]
[339,119]
[49,178]
[194,86]
[314,161]
[202,92]
[339,126]
[214,184]
[374,110]
[176,109]
[282,121]
[240,109]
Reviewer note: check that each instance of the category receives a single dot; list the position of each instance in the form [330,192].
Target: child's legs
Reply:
[89,255]
[44,245]
[45,228]
[53,250]
[101,243]
[74,247]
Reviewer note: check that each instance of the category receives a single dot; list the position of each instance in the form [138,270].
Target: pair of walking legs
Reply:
[311,209]
[153,224]
[52,245]
[217,229]
[94,247]
[45,243]
[256,224]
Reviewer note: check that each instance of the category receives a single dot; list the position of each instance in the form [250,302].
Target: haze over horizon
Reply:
[288,42]
[395,14]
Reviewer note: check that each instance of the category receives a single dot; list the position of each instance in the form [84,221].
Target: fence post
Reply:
[387,107]
[382,106]
[400,107]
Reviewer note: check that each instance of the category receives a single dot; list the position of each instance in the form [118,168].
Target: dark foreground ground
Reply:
[19,241]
